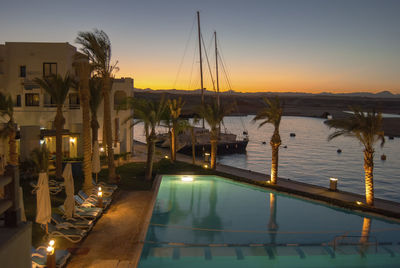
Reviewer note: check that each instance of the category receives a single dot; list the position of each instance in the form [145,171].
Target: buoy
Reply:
[292,134]
[245,132]
[339,151]
[383,157]
[285,146]
[264,142]
[391,137]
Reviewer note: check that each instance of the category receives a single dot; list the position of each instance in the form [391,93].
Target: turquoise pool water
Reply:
[215,222]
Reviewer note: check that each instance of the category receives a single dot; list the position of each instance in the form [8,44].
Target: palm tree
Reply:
[214,115]
[95,99]
[97,46]
[367,128]
[7,112]
[57,87]
[83,69]
[272,114]
[175,108]
[150,113]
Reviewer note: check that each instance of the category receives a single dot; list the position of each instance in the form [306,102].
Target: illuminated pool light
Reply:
[187,178]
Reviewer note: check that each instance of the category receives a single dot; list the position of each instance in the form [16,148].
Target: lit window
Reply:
[32,99]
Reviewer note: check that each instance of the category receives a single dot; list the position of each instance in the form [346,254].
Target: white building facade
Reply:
[34,110]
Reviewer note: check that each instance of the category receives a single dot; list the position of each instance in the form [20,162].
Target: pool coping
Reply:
[147,219]
[314,193]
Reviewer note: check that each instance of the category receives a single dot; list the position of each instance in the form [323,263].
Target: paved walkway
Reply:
[114,239]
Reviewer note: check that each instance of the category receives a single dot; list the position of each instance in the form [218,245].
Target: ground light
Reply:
[51,256]
[333,184]
[205,166]
[359,203]
[100,198]
[187,178]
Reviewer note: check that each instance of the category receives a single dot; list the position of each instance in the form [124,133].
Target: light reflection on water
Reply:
[310,158]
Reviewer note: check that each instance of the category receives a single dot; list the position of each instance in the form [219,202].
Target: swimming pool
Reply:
[215,222]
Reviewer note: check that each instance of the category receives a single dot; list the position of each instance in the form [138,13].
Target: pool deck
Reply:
[115,239]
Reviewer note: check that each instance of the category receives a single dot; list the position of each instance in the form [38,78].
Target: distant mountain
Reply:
[382,94]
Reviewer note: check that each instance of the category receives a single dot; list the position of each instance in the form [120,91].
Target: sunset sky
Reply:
[303,46]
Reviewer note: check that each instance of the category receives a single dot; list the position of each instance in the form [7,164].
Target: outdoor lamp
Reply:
[187,178]
[100,198]
[333,184]
[166,157]
[51,257]
[205,166]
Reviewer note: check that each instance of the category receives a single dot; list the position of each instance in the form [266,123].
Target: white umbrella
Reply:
[43,203]
[96,159]
[69,203]
[21,204]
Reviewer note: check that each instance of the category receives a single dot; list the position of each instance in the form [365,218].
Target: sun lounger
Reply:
[60,222]
[39,257]
[93,198]
[52,189]
[88,203]
[85,213]
[105,185]
[72,234]
[82,203]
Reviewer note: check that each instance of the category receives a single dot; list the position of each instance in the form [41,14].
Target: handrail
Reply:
[342,237]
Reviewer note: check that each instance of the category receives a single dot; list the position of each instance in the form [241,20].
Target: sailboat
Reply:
[228,143]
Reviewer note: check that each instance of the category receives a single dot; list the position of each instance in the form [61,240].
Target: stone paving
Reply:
[114,239]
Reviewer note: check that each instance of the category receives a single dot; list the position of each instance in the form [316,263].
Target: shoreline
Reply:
[304,106]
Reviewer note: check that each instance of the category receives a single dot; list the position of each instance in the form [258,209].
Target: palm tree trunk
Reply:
[59,124]
[107,128]
[94,124]
[13,148]
[213,153]
[150,155]
[369,176]
[366,228]
[87,148]
[272,225]
[275,143]
[173,145]
[193,145]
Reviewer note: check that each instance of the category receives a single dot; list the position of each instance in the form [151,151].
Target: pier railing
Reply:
[9,202]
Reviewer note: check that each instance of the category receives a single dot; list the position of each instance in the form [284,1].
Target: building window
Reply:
[49,101]
[18,101]
[32,99]
[119,100]
[49,68]
[22,71]
[74,102]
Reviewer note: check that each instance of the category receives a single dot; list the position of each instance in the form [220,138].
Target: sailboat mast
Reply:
[201,62]
[216,66]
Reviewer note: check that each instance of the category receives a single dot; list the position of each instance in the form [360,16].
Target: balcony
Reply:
[29,84]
